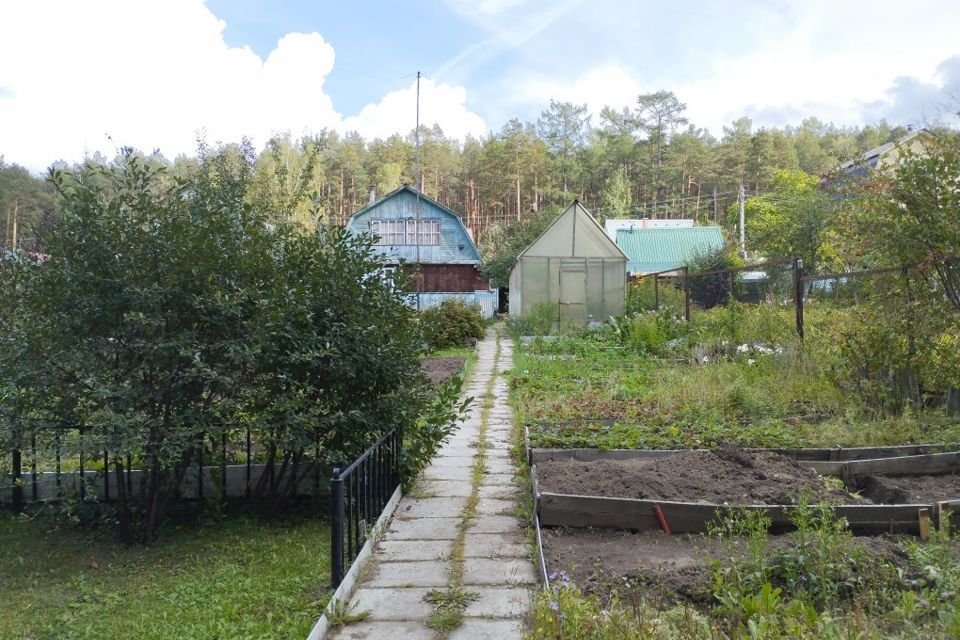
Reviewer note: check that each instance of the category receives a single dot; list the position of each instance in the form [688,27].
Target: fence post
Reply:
[656,292]
[686,291]
[798,294]
[336,529]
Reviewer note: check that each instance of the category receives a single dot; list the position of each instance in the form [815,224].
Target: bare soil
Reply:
[727,475]
[439,370]
[908,489]
[661,569]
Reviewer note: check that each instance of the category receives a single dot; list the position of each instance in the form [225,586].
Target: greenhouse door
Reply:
[573,296]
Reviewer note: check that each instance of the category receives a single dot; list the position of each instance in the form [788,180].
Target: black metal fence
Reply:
[359,494]
[54,462]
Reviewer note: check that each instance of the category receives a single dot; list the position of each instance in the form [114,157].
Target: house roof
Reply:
[871,157]
[652,250]
[401,189]
[574,233]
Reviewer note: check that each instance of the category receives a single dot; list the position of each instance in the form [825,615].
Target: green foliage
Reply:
[541,320]
[505,242]
[708,291]
[451,324]
[169,310]
[643,296]
[797,219]
[224,576]
[439,419]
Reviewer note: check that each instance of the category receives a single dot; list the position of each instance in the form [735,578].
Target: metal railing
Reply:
[359,493]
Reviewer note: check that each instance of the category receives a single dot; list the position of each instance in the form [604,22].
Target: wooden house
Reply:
[416,230]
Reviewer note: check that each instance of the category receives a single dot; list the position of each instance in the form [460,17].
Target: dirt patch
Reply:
[439,370]
[661,569]
[907,489]
[723,476]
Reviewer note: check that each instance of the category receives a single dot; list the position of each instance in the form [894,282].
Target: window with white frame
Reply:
[427,234]
[389,232]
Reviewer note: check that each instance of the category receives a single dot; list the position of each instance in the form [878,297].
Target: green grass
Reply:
[453,352]
[607,391]
[222,577]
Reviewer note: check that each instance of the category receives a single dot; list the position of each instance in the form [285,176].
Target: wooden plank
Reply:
[905,465]
[924,517]
[811,454]
[686,517]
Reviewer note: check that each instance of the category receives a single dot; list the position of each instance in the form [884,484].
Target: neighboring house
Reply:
[613,225]
[419,231]
[574,266]
[654,250]
[887,156]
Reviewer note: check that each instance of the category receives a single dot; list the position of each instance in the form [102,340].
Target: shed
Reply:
[413,229]
[653,250]
[573,265]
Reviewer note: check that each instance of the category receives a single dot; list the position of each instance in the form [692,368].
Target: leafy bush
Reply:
[170,310]
[711,290]
[451,324]
[643,296]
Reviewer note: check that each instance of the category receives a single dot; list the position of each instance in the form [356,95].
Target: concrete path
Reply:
[454,562]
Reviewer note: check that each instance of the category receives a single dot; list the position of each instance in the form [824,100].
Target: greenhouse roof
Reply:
[651,250]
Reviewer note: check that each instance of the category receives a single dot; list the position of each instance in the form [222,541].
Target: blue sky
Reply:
[81,77]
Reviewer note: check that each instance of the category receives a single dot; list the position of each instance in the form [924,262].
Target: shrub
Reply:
[451,324]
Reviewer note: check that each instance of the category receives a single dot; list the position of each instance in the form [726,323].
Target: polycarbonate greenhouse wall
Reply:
[584,289]
[573,265]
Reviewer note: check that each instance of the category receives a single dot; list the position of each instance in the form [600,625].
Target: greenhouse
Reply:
[573,266]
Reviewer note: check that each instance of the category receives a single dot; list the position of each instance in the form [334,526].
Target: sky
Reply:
[85,76]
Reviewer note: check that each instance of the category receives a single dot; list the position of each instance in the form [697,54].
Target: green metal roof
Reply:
[651,250]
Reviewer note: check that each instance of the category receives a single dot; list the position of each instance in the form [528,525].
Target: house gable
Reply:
[401,206]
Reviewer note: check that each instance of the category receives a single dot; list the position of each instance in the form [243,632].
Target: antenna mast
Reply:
[417,182]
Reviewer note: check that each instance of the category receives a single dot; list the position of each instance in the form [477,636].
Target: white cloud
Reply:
[439,104]
[89,76]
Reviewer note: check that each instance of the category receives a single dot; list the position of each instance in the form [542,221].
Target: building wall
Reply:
[455,246]
[450,278]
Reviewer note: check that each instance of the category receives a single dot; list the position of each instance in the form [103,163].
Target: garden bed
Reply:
[684,492]
[664,570]
[439,370]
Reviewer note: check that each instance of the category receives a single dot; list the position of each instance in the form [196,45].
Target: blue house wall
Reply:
[455,246]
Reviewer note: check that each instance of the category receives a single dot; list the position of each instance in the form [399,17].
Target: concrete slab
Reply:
[426,573]
[502,492]
[448,473]
[495,524]
[445,488]
[499,602]
[498,478]
[379,630]
[496,507]
[426,529]
[495,545]
[447,507]
[453,461]
[497,571]
[408,550]
[479,629]
[395,604]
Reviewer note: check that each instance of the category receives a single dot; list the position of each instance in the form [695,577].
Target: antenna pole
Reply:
[418,180]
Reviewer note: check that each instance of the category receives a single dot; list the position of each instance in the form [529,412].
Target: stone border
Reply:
[345,590]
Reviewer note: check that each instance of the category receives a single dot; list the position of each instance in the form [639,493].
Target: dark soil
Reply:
[439,370]
[908,489]
[723,476]
[661,569]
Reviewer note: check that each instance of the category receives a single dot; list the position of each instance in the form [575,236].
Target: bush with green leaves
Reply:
[170,311]
[541,320]
[451,324]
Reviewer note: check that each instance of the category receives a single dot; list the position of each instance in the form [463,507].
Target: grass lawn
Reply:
[648,390]
[219,577]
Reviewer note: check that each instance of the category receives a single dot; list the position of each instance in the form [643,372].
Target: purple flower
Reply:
[554,605]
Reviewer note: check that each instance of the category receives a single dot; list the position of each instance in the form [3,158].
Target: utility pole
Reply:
[741,202]
[714,203]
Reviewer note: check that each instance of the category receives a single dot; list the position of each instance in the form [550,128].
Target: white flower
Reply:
[750,360]
[743,348]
